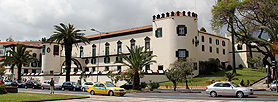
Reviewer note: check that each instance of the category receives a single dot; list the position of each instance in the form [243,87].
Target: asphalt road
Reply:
[180,96]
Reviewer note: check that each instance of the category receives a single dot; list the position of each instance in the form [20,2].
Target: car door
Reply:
[218,87]
[228,89]
[102,89]
[96,88]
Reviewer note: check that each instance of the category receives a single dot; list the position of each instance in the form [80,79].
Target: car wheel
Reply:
[83,89]
[26,87]
[239,94]
[213,94]
[42,88]
[34,87]
[63,89]
[92,92]
[110,93]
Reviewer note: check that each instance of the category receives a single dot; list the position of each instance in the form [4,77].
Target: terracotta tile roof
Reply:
[120,31]
[213,35]
[21,42]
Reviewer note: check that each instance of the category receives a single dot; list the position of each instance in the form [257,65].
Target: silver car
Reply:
[85,85]
[46,85]
[228,88]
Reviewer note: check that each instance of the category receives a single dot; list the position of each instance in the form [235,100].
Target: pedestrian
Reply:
[247,83]
[52,86]
[242,82]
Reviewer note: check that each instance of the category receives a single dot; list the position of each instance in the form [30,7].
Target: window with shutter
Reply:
[181,30]
[158,32]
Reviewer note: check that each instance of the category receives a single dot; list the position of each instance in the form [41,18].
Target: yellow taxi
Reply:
[106,89]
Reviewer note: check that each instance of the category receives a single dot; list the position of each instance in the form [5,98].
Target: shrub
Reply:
[209,67]
[240,66]
[153,85]
[3,89]
[143,85]
[229,67]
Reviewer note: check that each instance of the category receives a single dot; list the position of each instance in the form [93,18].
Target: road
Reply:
[177,96]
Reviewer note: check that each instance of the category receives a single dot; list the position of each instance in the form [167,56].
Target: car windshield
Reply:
[37,82]
[74,83]
[110,85]
[234,84]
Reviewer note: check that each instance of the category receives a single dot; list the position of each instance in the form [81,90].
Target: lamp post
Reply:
[98,48]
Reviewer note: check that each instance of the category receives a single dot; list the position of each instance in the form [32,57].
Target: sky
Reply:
[33,19]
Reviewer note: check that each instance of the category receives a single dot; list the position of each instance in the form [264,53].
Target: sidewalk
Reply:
[260,85]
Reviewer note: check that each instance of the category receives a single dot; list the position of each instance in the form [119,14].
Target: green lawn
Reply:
[24,96]
[246,74]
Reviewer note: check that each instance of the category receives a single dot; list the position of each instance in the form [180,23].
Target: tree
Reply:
[203,29]
[114,77]
[243,19]
[67,36]
[19,56]
[178,71]
[136,60]
[230,76]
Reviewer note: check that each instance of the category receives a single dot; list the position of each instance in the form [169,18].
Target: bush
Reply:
[209,67]
[3,89]
[240,66]
[143,85]
[229,67]
[153,85]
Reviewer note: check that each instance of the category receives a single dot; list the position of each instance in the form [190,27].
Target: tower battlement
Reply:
[178,13]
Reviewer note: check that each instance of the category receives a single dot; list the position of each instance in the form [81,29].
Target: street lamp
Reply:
[98,48]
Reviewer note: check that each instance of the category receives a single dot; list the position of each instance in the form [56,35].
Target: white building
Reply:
[171,36]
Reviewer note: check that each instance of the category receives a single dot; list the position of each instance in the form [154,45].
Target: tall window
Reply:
[119,47]
[210,40]
[147,43]
[106,68]
[217,50]
[93,69]
[56,50]
[147,67]
[160,67]
[203,39]
[210,49]
[93,61]
[203,47]
[119,68]
[181,30]
[132,44]
[93,50]
[33,70]
[158,32]
[217,42]
[223,43]
[224,52]
[107,49]
[81,51]
[43,49]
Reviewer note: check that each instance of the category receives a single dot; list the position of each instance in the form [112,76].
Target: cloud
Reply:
[34,19]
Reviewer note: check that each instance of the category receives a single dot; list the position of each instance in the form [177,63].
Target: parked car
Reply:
[127,86]
[32,84]
[18,83]
[273,86]
[106,89]
[228,88]
[46,85]
[85,85]
[7,82]
[71,86]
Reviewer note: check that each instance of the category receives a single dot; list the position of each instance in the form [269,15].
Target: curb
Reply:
[57,99]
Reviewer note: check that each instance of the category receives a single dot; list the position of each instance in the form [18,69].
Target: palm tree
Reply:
[273,34]
[230,76]
[67,36]
[18,57]
[136,60]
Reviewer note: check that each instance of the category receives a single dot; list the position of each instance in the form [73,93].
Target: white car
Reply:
[85,85]
[46,85]
[228,88]
[273,86]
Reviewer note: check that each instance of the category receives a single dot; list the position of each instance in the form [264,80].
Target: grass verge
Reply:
[25,96]
[246,74]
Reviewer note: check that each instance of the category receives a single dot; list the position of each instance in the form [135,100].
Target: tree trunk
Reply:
[136,81]
[186,84]
[19,71]
[68,49]
[175,85]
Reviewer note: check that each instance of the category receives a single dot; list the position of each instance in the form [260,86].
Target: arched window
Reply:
[147,43]
[132,43]
[93,50]
[119,47]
